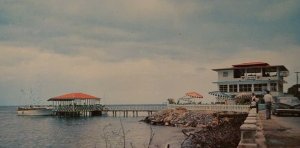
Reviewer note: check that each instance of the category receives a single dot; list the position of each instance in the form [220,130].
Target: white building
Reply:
[252,77]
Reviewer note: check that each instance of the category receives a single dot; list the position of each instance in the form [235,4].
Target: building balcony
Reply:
[260,77]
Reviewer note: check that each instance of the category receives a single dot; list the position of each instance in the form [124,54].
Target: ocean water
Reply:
[86,132]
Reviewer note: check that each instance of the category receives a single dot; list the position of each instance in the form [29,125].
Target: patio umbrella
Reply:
[193,94]
[190,97]
[220,94]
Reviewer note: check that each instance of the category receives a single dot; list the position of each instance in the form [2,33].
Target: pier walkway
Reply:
[150,108]
[213,107]
[134,108]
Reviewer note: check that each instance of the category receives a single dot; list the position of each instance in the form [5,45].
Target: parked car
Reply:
[286,105]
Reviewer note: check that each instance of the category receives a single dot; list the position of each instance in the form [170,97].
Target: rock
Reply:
[187,131]
[224,134]
[201,126]
[220,129]
[181,109]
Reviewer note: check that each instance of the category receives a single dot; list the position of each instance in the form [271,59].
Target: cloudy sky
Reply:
[138,51]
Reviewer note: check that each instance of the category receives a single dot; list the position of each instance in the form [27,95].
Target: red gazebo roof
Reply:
[73,96]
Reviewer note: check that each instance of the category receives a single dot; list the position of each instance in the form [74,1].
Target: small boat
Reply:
[35,111]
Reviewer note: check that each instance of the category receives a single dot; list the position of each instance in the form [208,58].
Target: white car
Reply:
[286,105]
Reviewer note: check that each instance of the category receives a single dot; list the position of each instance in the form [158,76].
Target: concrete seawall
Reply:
[252,132]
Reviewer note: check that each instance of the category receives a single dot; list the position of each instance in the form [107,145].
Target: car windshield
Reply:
[289,100]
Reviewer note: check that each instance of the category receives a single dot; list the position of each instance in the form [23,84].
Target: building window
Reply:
[223,88]
[238,73]
[225,74]
[269,72]
[245,88]
[254,72]
[273,86]
[233,88]
[260,87]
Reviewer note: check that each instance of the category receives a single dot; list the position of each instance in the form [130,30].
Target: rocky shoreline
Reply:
[202,129]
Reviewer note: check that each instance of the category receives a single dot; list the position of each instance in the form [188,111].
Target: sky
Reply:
[137,51]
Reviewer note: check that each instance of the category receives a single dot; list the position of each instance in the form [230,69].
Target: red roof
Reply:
[194,95]
[73,96]
[253,65]
[249,64]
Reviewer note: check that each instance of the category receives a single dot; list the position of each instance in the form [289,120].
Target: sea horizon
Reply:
[53,131]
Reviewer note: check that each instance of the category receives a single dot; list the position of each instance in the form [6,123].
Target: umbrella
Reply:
[189,96]
[193,95]
[220,94]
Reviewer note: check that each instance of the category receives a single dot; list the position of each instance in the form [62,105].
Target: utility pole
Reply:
[297,83]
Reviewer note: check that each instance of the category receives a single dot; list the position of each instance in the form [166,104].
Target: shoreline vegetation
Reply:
[202,129]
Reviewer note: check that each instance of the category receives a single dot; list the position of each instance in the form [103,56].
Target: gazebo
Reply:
[75,103]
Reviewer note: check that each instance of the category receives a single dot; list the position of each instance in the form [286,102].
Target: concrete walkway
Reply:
[281,132]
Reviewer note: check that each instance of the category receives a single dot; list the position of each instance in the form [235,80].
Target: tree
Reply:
[294,90]
[171,101]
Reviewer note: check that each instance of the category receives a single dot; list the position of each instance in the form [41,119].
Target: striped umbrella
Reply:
[220,94]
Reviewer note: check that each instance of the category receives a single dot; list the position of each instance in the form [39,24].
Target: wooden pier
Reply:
[133,110]
[212,107]
[127,109]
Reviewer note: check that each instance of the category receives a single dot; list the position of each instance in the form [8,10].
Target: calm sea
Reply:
[49,131]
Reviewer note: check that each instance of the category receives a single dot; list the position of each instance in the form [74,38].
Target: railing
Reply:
[152,107]
[135,107]
[237,108]
[252,131]
[78,108]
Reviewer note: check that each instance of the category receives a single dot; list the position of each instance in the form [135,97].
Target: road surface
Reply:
[290,122]
[281,131]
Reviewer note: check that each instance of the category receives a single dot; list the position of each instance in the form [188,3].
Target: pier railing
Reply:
[135,107]
[78,108]
[152,107]
[157,107]
[209,107]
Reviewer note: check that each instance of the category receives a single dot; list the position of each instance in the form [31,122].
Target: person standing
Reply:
[253,103]
[256,100]
[268,102]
